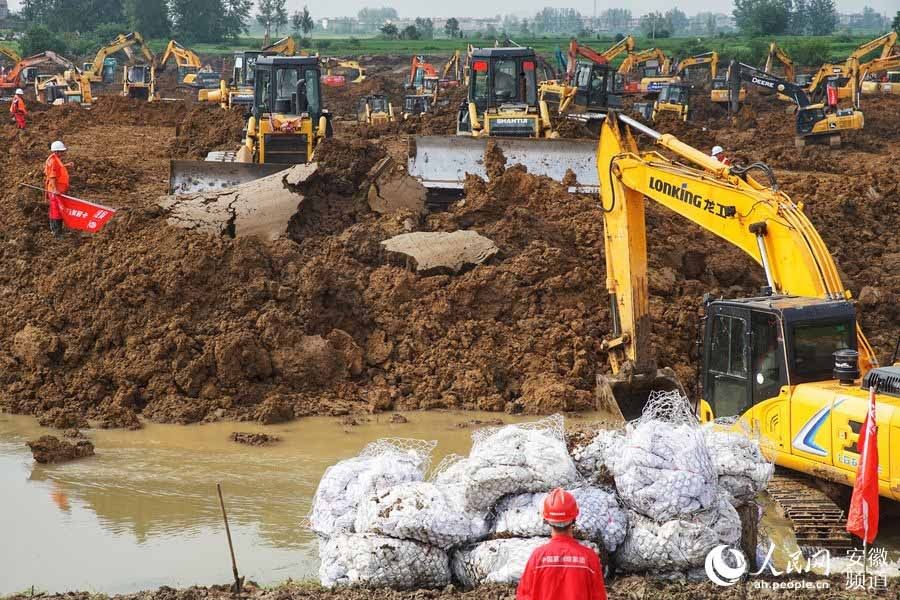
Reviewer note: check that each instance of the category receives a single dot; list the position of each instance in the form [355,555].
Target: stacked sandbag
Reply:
[595,460]
[600,517]
[509,460]
[421,511]
[379,467]
[742,468]
[496,561]
[676,545]
[362,559]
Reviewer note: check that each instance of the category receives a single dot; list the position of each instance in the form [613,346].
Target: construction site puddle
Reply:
[144,513]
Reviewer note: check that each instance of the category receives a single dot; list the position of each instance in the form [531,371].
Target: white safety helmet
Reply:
[717,150]
[20,92]
[57,146]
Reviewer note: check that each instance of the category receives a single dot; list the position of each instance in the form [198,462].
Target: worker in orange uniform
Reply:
[17,108]
[562,569]
[56,182]
[718,153]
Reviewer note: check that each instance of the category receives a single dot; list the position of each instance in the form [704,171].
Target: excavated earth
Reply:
[145,321]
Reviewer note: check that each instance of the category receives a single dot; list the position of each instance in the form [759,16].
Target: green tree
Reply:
[822,17]
[198,20]
[72,15]
[616,19]
[39,38]
[762,17]
[895,24]
[425,27]
[410,32]
[272,15]
[799,18]
[236,14]
[524,29]
[150,17]
[302,22]
[655,25]
[389,30]
[451,27]
[711,24]
[678,21]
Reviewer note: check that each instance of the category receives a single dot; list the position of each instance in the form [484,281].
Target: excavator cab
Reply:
[720,93]
[597,88]
[674,98]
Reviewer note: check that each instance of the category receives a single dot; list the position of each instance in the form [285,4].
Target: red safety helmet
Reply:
[560,508]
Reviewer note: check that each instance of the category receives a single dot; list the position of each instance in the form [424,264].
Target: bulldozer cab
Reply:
[287,85]
[596,87]
[503,76]
[374,108]
[674,94]
[753,347]
[416,105]
[137,81]
[244,67]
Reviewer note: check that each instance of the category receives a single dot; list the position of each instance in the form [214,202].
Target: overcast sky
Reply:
[415,8]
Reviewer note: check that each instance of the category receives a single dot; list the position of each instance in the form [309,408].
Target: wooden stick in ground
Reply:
[238,581]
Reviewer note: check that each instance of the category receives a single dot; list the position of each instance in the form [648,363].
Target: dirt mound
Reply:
[51,449]
[207,128]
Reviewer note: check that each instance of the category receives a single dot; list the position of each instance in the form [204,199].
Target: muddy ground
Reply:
[147,321]
[622,588]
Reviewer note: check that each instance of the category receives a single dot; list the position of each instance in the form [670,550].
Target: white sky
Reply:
[417,8]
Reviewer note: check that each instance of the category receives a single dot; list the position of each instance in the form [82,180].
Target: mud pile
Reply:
[207,128]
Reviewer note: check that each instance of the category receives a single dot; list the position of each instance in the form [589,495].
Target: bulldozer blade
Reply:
[624,396]
[442,162]
[192,176]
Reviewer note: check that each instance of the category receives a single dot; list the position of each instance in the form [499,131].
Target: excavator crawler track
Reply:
[818,521]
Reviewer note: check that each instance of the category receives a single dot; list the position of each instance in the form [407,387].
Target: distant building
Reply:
[4,9]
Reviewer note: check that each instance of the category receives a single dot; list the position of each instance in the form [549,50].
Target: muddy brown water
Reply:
[143,512]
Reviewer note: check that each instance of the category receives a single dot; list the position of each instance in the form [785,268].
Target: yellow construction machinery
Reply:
[707,59]
[286,46]
[879,76]
[503,96]
[191,70]
[25,71]
[655,70]
[673,98]
[287,123]
[11,54]
[453,69]
[720,94]
[813,121]
[845,76]
[139,78]
[793,364]
[778,55]
[374,109]
[350,69]
[239,90]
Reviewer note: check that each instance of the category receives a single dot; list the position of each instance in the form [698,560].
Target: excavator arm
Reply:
[777,54]
[286,46]
[741,73]
[601,58]
[184,57]
[122,42]
[452,68]
[726,201]
[633,61]
[879,65]
[887,43]
[10,54]
[11,79]
[707,58]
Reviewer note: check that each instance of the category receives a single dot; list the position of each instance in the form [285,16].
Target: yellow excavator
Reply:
[655,71]
[10,54]
[845,76]
[814,121]
[590,87]
[287,122]
[873,82]
[792,364]
[673,98]
[191,71]
[351,69]
[778,55]
[139,78]
[286,46]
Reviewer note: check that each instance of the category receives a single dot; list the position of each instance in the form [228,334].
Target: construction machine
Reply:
[350,69]
[191,70]
[778,55]
[453,69]
[11,54]
[708,59]
[792,364]
[287,123]
[374,109]
[720,94]
[286,46]
[239,90]
[813,121]
[139,79]
[673,98]
[845,76]
[25,71]
[655,71]
[877,76]
[503,96]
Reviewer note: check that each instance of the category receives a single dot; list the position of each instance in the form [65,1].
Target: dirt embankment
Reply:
[145,319]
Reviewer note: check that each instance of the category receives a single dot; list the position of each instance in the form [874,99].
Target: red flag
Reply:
[84,215]
[863,518]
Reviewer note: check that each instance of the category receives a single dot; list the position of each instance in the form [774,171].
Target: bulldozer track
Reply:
[817,520]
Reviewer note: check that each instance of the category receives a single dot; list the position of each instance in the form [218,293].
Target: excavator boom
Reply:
[12,77]
[776,53]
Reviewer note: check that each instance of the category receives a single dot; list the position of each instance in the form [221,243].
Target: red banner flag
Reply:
[84,215]
[862,521]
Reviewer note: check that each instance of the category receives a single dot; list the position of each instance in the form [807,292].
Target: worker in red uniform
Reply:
[17,108]
[56,182]
[718,153]
[562,569]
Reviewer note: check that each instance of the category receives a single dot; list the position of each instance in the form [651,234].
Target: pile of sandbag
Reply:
[743,469]
[496,561]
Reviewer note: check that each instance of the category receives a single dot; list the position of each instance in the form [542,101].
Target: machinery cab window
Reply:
[673,94]
[503,78]
[137,74]
[285,85]
[766,356]
[813,345]
[727,370]
[806,119]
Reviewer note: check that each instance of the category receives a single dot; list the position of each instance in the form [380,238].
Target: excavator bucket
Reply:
[623,396]
[442,162]
[192,176]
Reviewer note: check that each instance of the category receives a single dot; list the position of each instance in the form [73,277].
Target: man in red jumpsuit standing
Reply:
[17,108]
[562,569]
[56,182]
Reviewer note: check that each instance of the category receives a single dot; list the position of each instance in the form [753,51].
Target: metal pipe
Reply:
[763,253]
[640,127]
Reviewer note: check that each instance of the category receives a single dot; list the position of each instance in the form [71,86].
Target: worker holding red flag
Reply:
[862,521]
[56,183]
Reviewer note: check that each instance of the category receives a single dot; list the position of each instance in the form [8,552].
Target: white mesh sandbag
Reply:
[671,546]
[665,471]
[509,460]
[420,511]
[380,466]
[723,519]
[368,560]
[594,460]
[742,468]
[600,517]
[496,561]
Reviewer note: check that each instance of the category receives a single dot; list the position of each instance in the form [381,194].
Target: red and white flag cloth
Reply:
[862,521]
[84,215]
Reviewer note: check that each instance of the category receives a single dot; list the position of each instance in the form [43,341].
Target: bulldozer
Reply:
[792,365]
[139,78]
[287,122]
[502,96]
[673,98]
[374,109]
[239,90]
